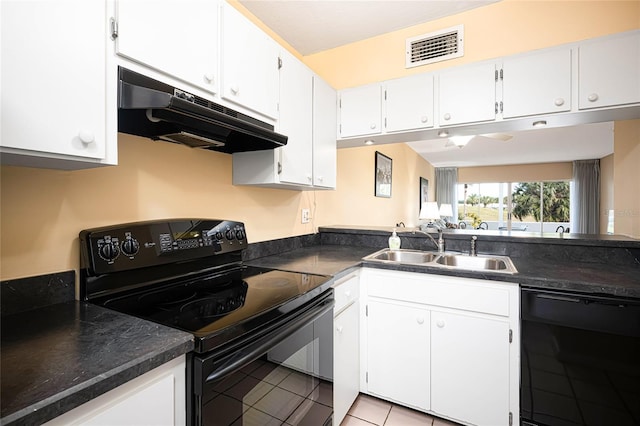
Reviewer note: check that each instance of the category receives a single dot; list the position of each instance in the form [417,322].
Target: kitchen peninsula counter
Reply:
[581,265]
[57,357]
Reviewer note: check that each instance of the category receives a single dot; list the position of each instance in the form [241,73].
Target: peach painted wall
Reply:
[626,177]
[44,210]
[499,29]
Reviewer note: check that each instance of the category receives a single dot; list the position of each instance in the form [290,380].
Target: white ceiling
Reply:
[311,26]
[580,142]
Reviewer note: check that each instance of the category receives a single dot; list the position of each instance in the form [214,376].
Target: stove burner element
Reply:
[213,306]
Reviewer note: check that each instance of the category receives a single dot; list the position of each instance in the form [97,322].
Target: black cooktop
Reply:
[188,274]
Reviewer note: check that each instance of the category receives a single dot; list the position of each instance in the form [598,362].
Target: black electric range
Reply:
[188,274]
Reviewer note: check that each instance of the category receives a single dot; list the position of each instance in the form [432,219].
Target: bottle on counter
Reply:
[394,240]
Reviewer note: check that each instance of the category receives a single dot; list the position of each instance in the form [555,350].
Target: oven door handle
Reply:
[268,341]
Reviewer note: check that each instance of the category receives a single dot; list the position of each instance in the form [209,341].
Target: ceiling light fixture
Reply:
[443,133]
[540,123]
[460,141]
[368,142]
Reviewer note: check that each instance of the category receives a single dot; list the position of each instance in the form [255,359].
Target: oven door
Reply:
[284,376]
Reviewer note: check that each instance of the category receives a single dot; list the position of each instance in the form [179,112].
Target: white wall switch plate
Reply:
[305,216]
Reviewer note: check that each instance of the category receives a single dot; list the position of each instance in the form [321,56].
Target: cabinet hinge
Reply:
[340,103]
[279,167]
[385,95]
[502,74]
[510,418]
[279,62]
[496,75]
[385,122]
[366,377]
[366,310]
[496,107]
[114,28]
[510,336]
[501,105]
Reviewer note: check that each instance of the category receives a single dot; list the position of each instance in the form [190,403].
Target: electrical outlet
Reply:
[305,216]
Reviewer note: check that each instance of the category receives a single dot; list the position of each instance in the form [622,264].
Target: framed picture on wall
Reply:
[424,192]
[383,175]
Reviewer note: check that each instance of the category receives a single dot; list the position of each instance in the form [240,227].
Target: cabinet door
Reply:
[53,77]
[409,103]
[324,134]
[398,359]
[249,62]
[295,121]
[360,111]
[538,83]
[346,366]
[609,72]
[467,94]
[177,37]
[470,368]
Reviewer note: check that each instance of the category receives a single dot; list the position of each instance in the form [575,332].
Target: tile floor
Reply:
[367,411]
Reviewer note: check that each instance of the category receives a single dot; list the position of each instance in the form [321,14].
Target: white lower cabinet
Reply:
[156,398]
[346,353]
[398,353]
[471,381]
[444,345]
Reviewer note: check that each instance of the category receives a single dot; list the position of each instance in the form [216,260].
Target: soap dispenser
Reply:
[394,240]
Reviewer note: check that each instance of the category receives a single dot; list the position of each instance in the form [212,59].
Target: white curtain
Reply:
[446,182]
[586,196]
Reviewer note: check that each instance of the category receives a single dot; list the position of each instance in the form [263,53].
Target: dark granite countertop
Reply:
[532,272]
[60,356]
[333,260]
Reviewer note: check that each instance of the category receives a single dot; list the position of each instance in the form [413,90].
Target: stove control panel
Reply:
[142,244]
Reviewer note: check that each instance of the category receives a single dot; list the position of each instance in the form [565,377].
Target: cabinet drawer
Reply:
[437,290]
[346,290]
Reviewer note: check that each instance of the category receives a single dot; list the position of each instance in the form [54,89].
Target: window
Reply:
[498,206]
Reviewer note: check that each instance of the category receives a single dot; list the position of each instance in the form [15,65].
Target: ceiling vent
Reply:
[435,47]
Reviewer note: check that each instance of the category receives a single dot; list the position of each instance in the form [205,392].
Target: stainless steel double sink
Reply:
[501,264]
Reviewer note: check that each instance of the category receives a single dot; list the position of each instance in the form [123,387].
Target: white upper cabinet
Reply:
[609,71]
[467,94]
[536,83]
[361,111]
[409,103]
[53,110]
[324,134]
[295,121]
[249,63]
[177,37]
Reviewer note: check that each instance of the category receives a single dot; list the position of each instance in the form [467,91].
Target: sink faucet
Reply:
[474,250]
[560,229]
[439,244]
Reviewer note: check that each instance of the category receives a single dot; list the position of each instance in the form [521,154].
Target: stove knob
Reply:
[130,246]
[229,235]
[240,234]
[109,251]
[218,235]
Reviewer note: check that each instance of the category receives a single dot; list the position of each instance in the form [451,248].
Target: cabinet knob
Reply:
[86,137]
[320,178]
[339,329]
[440,323]
[420,320]
[309,178]
[447,116]
[424,119]
[234,89]
[593,97]
[373,126]
[209,78]
[558,101]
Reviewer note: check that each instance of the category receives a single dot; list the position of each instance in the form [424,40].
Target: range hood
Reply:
[152,109]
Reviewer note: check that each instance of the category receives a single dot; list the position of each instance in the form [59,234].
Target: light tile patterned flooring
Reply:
[367,411]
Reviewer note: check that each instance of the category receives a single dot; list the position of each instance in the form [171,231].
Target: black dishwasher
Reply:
[580,360]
